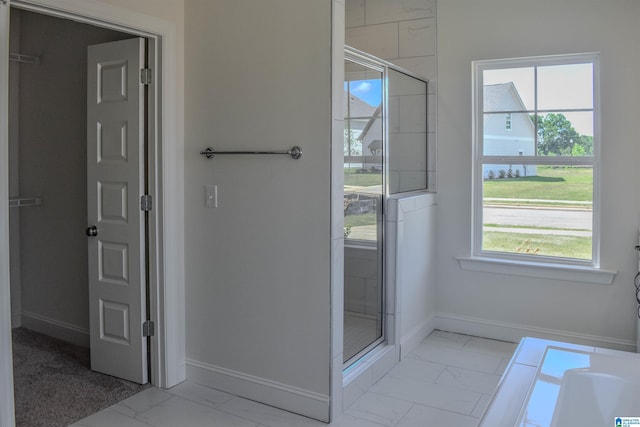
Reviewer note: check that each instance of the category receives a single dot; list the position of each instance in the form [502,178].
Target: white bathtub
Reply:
[574,388]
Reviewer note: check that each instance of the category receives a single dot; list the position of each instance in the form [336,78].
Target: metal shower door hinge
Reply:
[148,329]
[145,76]
[146,203]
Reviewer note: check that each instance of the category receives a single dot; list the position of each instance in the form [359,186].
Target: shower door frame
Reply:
[374,64]
[389,344]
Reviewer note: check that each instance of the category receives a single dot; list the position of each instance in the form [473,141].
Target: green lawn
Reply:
[551,183]
[362,179]
[549,245]
[357,220]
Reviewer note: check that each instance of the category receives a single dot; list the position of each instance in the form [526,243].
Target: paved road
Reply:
[539,217]
[570,220]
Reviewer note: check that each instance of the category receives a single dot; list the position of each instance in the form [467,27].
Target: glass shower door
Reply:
[364,183]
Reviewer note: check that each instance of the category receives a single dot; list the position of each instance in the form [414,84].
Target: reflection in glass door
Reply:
[364,184]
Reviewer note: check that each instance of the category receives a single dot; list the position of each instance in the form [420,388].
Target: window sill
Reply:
[539,270]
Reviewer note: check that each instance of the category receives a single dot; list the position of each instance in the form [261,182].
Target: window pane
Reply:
[508,134]
[508,89]
[562,87]
[565,134]
[538,211]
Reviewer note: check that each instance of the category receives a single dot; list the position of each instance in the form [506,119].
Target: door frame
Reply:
[166,182]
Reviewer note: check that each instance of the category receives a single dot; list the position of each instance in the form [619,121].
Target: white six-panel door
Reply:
[115,233]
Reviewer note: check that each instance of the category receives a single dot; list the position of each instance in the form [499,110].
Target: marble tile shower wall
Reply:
[402,32]
[361,280]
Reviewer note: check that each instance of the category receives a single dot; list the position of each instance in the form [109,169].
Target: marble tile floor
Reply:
[447,380]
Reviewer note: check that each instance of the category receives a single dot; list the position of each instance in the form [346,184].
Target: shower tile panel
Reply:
[114,322]
[112,141]
[112,81]
[378,11]
[431,151]
[422,66]
[410,153]
[414,36]
[371,297]
[354,13]
[113,263]
[379,40]
[412,114]
[393,115]
[361,262]
[431,112]
[112,202]
[354,294]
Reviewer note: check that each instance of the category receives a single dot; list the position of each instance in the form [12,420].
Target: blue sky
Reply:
[370,91]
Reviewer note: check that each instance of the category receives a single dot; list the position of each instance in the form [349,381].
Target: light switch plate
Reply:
[211,196]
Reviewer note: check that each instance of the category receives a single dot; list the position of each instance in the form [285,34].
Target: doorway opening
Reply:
[49,199]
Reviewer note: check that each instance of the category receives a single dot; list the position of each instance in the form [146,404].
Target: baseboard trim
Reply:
[515,332]
[56,329]
[410,340]
[283,396]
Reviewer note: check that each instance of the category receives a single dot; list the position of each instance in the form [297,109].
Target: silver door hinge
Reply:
[145,76]
[146,203]
[148,329]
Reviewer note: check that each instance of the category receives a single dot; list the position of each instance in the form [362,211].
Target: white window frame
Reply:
[514,259]
[508,123]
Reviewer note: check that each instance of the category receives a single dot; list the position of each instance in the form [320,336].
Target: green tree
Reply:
[352,147]
[586,143]
[557,137]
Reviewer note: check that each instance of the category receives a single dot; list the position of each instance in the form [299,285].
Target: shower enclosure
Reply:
[385,153]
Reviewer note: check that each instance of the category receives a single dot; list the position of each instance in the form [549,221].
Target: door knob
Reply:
[92,231]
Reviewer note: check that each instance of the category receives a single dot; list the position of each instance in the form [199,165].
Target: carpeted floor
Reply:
[54,385]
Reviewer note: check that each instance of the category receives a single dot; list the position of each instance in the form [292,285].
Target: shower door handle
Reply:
[92,231]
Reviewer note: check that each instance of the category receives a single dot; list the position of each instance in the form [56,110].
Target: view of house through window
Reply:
[363,148]
[536,172]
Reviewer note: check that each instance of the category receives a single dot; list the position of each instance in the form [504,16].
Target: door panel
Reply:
[364,194]
[115,182]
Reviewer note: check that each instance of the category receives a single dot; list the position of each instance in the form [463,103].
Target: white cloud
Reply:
[363,87]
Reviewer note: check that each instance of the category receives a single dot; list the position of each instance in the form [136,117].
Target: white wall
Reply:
[258,266]
[491,29]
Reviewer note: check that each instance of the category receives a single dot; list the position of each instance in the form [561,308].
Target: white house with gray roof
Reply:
[508,134]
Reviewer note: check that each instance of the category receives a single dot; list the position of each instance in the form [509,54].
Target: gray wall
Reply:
[512,29]
[258,266]
[14,170]
[52,165]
